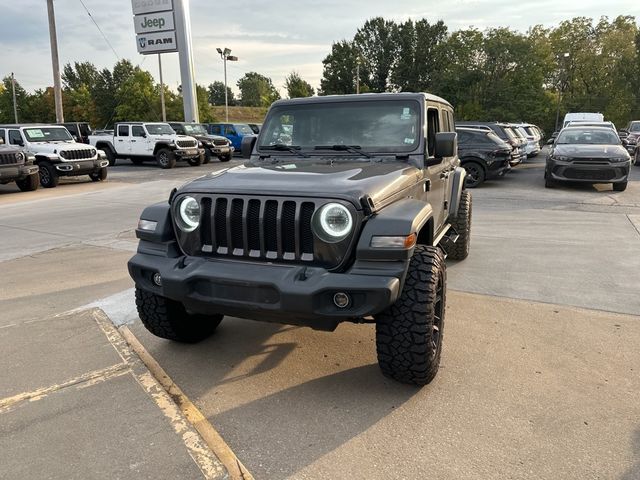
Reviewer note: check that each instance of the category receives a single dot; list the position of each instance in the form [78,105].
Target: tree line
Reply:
[495,74]
[127,92]
[498,74]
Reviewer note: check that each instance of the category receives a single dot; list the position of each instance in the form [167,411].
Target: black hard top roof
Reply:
[363,97]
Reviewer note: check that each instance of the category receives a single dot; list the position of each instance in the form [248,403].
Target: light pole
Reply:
[562,84]
[57,88]
[225,55]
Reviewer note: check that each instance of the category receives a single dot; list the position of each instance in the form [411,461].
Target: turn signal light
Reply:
[404,242]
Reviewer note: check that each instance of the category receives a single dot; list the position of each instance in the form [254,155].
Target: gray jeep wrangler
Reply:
[345,211]
[16,165]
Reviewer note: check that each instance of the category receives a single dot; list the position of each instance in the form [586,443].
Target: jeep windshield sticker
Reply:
[406,115]
[409,141]
[35,133]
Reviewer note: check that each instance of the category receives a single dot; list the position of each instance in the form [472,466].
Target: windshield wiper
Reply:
[281,147]
[343,148]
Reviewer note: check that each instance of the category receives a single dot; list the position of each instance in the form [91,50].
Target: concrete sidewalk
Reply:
[75,401]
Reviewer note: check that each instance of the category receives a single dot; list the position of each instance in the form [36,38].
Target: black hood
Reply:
[348,180]
[589,151]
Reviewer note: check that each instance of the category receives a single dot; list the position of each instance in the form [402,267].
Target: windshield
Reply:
[588,136]
[47,134]
[374,126]
[195,129]
[243,129]
[510,134]
[159,129]
[634,127]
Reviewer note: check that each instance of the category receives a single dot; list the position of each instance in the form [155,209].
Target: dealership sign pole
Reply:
[164,26]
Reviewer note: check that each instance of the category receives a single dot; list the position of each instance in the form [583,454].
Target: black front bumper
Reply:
[497,168]
[283,294]
[220,150]
[602,171]
[10,173]
[80,167]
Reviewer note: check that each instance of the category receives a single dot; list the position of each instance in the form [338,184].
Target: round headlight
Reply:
[188,214]
[93,152]
[333,222]
[62,154]
[19,156]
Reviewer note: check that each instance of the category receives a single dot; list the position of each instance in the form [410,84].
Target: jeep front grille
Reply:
[76,154]
[186,144]
[269,229]
[10,159]
[218,142]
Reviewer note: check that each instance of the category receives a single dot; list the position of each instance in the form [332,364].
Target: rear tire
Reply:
[462,225]
[29,184]
[168,319]
[48,175]
[475,174]
[165,158]
[195,162]
[99,176]
[548,183]
[620,187]
[409,332]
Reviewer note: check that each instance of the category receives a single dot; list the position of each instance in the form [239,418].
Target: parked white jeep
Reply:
[140,141]
[56,153]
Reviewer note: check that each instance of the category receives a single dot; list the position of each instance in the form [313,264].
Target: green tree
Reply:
[204,107]
[297,87]
[6,101]
[137,98]
[216,94]
[257,90]
[339,72]
[376,45]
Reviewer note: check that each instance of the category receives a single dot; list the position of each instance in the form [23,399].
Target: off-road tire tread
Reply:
[30,183]
[53,175]
[195,162]
[172,159]
[462,225]
[401,330]
[620,186]
[168,319]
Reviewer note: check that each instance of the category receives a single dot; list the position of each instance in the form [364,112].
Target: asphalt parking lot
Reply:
[539,374]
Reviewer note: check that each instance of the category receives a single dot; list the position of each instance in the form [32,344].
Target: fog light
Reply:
[341,300]
[157,279]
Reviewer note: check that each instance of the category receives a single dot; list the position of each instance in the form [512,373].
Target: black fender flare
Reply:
[105,146]
[161,241]
[401,218]
[160,145]
[457,186]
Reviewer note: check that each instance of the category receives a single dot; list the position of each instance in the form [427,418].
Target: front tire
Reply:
[168,319]
[207,157]
[225,158]
[48,175]
[99,176]
[30,183]
[195,162]
[475,174]
[620,187]
[165,158]
[462,225]
[111,156]
[409,332]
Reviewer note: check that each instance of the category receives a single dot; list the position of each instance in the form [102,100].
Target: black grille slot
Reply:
[205,222]
[220,219]
[288,227]
[237,205]
[219,142]
[253,224]
[606,174]
[76,154]
[306,234]
[271,226]
[186,143]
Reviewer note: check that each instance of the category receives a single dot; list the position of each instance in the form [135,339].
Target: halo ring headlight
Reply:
[333,222]
[188,214]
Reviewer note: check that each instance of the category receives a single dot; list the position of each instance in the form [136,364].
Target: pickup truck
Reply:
[141,141]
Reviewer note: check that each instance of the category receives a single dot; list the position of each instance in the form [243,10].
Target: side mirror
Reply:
[446,145]
[144,135]
[247,145]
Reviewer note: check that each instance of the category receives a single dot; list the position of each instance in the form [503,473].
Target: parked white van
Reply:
[582,117]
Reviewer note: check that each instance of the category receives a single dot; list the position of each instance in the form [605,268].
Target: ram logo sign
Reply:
[157,43]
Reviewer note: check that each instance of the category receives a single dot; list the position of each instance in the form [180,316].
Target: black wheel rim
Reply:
[45,177]
[438,317]
[473,176]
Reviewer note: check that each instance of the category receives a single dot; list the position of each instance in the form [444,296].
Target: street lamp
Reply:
[562,85]
[225,55]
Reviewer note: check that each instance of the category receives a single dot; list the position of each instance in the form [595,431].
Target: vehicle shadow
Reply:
[272,391]
[634,472]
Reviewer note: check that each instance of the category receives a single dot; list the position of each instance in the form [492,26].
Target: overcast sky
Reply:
[270,37]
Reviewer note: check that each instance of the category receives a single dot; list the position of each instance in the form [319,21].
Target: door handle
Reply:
[133,141]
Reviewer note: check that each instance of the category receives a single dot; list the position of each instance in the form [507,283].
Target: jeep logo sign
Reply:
[157,42]
[154,22]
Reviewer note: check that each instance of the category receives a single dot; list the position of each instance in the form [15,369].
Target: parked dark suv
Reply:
[214,145]
[347,222]
[505,133]
[482,154]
